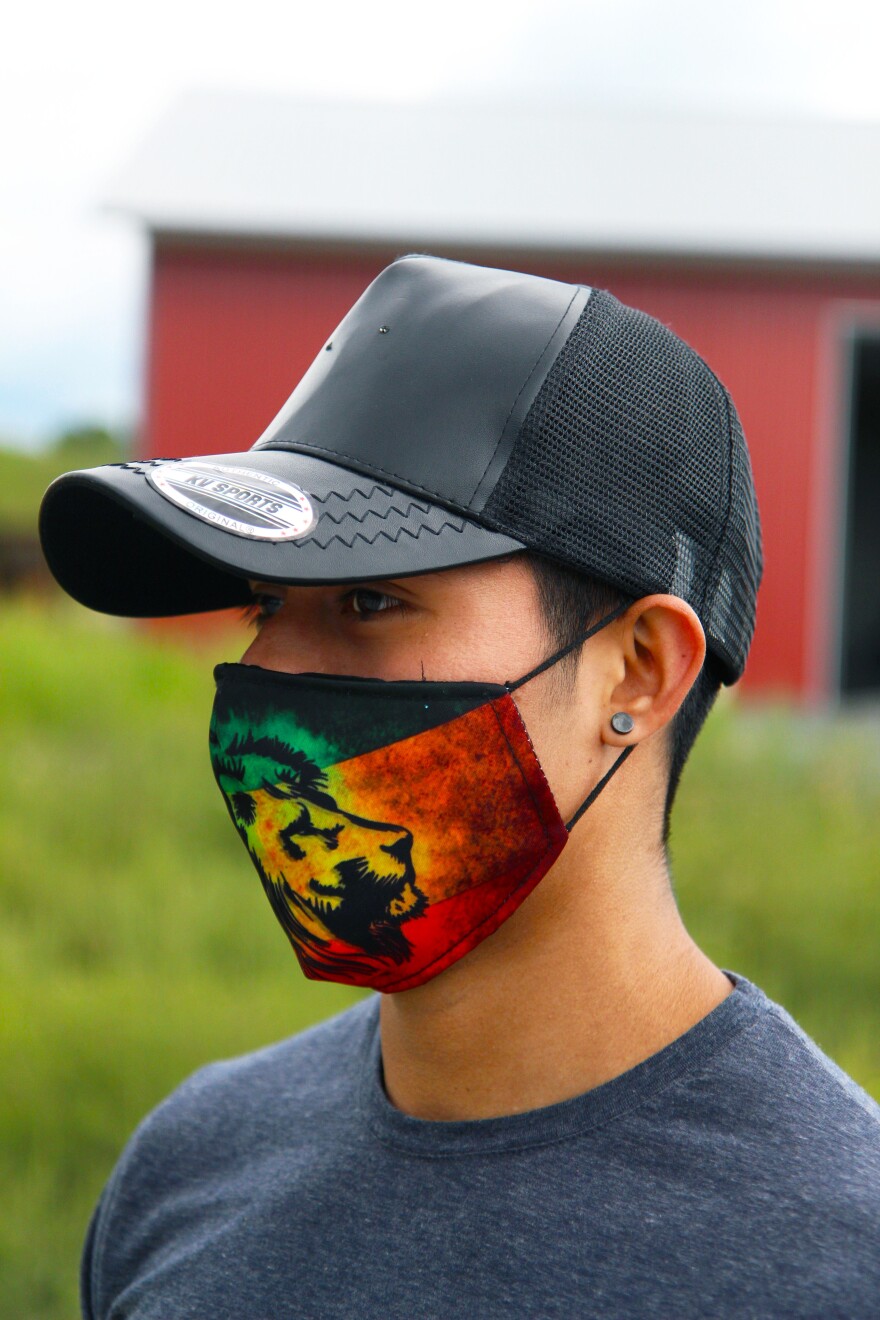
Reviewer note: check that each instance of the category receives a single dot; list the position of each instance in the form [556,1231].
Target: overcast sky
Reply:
[80,85]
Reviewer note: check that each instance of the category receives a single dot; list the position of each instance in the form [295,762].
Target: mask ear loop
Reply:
[566,650]
[548,664]
[591,798]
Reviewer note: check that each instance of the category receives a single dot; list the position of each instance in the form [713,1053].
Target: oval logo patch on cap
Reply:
[236,499]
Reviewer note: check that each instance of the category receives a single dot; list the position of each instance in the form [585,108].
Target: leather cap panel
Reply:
[427,379]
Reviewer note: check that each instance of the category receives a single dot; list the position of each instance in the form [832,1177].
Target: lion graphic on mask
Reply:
[329,875]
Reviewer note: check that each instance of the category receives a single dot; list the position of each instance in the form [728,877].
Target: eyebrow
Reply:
[259,587]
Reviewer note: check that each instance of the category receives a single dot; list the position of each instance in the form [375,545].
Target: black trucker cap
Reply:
[458,413]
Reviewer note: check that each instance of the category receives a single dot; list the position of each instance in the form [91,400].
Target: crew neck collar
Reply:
[569,1118]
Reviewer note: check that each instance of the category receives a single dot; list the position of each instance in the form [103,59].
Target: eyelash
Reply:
[265,605]
[389,604]
[256,614]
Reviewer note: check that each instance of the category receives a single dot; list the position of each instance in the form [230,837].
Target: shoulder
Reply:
[199,1148]
[803,1133]
[830,1126]
[315,1068]
[787,1080]
[766,1159]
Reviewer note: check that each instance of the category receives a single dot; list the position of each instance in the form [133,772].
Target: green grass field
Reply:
[25,476]
[136,943]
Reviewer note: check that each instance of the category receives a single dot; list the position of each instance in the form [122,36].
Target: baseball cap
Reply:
[457,414]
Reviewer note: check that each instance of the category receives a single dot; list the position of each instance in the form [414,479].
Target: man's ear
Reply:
[662,651]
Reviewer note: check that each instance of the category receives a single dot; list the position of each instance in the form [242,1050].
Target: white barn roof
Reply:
[558,178]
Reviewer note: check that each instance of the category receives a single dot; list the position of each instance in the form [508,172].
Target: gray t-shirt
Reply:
[735,1173]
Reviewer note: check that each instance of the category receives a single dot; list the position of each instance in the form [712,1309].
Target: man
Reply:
[502,547]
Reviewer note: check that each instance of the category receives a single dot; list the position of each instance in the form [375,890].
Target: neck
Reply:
[587,979]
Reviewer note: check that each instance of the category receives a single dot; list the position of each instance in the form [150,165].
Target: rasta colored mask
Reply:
[393,825]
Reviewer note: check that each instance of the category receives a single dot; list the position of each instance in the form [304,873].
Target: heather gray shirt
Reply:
[735,1173]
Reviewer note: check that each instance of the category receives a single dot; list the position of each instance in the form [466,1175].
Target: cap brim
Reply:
[118,544]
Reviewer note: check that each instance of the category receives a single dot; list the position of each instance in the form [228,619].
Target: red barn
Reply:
[758,243]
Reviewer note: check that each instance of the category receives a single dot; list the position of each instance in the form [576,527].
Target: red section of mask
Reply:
[485,830]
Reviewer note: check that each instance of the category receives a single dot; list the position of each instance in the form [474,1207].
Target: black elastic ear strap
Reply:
[547,664]
[588,801]
[566,650]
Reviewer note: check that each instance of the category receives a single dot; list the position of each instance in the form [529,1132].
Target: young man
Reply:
[503,547]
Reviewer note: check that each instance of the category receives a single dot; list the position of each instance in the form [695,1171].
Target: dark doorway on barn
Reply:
[860,635]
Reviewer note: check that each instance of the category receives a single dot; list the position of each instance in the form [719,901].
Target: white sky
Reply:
[80,84]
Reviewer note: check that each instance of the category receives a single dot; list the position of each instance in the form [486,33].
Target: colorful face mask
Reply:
[393,825]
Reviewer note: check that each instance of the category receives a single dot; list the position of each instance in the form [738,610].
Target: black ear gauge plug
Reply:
[622,723]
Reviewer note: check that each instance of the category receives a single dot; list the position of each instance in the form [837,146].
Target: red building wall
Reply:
[232,328]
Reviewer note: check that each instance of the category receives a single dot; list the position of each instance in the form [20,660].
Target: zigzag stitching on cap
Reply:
[401,531]
[140,465]
[375,513]
[358,490]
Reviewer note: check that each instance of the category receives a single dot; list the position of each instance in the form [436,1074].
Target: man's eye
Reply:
[262,608]
[365,603]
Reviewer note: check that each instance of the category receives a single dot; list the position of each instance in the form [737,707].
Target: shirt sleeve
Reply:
[87,1264]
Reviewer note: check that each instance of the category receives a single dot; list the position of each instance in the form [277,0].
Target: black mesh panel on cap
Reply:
[629,466]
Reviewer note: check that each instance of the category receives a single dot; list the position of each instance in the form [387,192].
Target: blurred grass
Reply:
[135,943]
[24,476]
[776,855]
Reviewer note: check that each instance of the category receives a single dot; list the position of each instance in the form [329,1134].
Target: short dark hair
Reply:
[570,602]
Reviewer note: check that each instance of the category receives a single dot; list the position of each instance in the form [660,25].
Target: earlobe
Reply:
[662,648]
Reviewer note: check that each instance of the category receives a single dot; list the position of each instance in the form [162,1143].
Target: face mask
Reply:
[393,825]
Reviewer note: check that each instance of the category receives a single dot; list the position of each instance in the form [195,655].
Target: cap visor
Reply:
[116,543]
